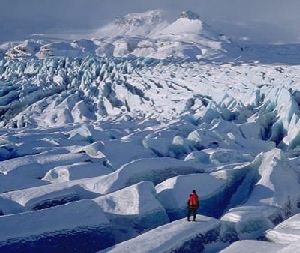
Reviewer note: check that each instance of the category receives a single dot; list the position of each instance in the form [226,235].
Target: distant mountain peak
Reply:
[139,19]
[133,24]
[189,14]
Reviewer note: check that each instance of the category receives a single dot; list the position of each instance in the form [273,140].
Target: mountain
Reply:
[138,34]
[147,35]
[133,25]
[151,35]
[189,23]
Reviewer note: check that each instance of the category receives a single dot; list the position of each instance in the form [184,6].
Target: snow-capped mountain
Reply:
[140,35]
[134,25]
[151,35]
[147,35]
[189,23]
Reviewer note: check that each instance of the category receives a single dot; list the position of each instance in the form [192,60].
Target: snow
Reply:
[170,237]
[11,183]
[147,169]
[278,185]
[188,28]
[54,229]
[173,192]
[42,197]
[135,206]
[120,209]
[294,247]
[136,99]
[283,238]
[248,246]
[273,197]
[286,232]
[154,169]
[249,222]
[103,138]
[185,26]
[75,171]
[147,34]
[113,202]
[133,24]
[67,217]
[126,150]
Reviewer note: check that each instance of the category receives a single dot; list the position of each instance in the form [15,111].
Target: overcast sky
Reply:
[261,20]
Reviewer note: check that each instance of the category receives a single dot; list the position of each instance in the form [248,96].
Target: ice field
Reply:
[103,139]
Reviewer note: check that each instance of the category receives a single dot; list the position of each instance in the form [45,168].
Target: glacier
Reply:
[103,138]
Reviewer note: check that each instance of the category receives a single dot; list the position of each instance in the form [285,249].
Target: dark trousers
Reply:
[191,211]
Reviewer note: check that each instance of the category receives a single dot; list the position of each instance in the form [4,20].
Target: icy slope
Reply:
[173,237]
[286,232]
[188,37]
[273,197]
[56,229]
[284,238]
[248,246]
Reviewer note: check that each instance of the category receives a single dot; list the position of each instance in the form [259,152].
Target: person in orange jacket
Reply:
[193,205]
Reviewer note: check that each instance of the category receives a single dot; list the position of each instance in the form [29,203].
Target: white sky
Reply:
[261,20]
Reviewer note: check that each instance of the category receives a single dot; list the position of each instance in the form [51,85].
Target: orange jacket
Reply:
[193,200]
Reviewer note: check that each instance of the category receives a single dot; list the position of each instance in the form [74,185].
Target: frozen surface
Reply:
[283,238]
[213,190]
[103,138]
[252,247]
[173,191]
[172,237]
[286,232]
[54,219]
[133,210]
[273,197]
[75,171]
[57,229]
[152,169]
[119,216]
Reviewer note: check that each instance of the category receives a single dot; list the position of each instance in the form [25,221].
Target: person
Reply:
[193,205]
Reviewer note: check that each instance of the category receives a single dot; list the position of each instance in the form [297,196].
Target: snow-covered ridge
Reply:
[138,19]
[189,14]
[176,236]
[133,24]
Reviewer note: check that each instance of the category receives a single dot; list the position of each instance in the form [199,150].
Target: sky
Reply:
[261,21]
